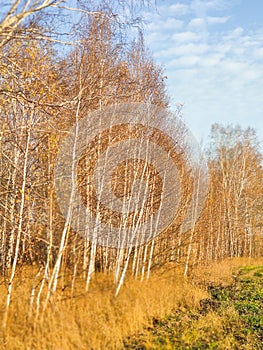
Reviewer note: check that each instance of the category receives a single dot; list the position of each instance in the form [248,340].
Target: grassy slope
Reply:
[204,311]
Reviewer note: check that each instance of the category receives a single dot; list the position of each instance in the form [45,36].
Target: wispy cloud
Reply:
[213,66]
[217,20]
[166,24]
[178,9]
[196,23]
[185,37]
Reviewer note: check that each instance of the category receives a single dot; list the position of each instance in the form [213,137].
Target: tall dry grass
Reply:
[97,319]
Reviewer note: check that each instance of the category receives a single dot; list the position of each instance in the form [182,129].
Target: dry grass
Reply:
[222,272]
[98,320]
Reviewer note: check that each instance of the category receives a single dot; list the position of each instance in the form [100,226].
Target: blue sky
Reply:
[212,54]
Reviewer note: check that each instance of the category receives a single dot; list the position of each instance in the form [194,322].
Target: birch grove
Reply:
[45,90]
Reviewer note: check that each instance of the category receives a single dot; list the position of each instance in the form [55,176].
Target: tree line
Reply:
[46,85]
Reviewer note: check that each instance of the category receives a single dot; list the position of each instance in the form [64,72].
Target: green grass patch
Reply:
[246,269]
[231,318]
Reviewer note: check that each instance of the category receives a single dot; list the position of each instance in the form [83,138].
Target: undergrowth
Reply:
[230,318]
[216,307]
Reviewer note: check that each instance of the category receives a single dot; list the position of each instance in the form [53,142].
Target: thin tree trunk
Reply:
[20,227]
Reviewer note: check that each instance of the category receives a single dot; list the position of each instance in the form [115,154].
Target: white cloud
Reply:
[177,9]
[155,37]
[220,78]
[184,62]
[199,22]
[229,66]
[234,34]
[210,61]
[222,47]
[217,20]
[196,23]
[190,49]
[168,24]
[258,53]
[185,37]
[205,5]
